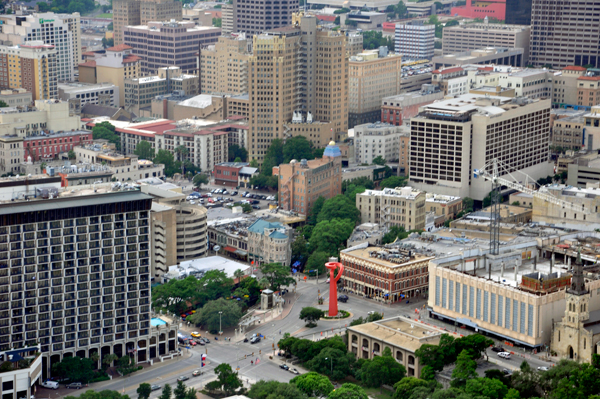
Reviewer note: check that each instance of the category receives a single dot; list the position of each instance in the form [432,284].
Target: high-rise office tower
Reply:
[298,79]
[518,12]
[63,31]
[76,274]
[255,17]
[140,12]
[223,66]
[565,33]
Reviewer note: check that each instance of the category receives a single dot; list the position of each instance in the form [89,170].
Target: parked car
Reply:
[255,207]
[506,371]
[543,368]
[294,371]
[284,366]
[196,373]
[74,385]
[196,334]
[155,387]
[193,202]
[255,202]
[343,298]
[50,384]
[183,378]
[498,349]
[206,340]
[255,340]
[200,342]
[234,193]
[225,192]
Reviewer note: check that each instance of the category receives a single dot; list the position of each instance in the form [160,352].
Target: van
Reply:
[504,355]
[50,384]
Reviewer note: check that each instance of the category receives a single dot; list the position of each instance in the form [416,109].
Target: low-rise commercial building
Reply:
[568,133]
[302,182]
[402,207]
[587,196]
[234,174]
[402,336]
[396,109]
[374,140]
[365,20]
[16,97]
[375,173]
[490,55]
[270,242]
[79,94]
[466,37]
[388,274]
[231,236]
[372,75]
[444,206]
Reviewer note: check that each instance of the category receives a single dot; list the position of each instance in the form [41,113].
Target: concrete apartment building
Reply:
[139,92]
[396,109]
[584,171]
[373,75]
[63,31]
[388,274]
[473,130]
[136,12]
[374,140]
[574,38]
[307,68]
[483,56]
[78,94]
[415,41]
[254,18]
[113,66]
[31,66]
[16,97]
[227,18]
[588,89]
[365,20]
[270,242]
[302,182]
[223,66]
[402,207]
[169,43]
[84,326]
[467,37]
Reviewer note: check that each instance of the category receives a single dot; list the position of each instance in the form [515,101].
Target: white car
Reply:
[192,202]
[504,355]
[543,368]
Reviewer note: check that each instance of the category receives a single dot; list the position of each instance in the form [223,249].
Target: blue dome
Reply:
[332,150]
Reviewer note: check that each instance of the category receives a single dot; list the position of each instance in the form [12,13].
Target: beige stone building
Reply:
[567,133]
[199,17]
[16,97]
[227,18]
[302,182]
[402,206]
[564,90]
[203,106]
[355,43]
[386,274]
[297,74]
[373,75]
[140,12]
[11,154]
[588,197]
[224,66]
[445,206]
[114,66]
[401,335]
[270,242]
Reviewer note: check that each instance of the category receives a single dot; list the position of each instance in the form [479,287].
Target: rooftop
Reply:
[120,47]
[490,27]
[388,255]
[233,164]
[399,192]
[442,199]
[203,265]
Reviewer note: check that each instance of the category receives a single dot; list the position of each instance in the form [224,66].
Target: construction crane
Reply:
[492,173]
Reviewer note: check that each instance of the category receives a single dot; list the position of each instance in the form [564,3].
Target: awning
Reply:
[230,249]
[466,322]
[240,252]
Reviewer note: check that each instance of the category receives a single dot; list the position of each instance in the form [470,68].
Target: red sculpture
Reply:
[333,299]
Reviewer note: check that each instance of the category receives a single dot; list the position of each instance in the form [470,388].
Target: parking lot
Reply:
[416,70]
[227,198]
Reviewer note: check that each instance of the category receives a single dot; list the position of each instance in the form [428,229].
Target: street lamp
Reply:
[331,359]
[220,325]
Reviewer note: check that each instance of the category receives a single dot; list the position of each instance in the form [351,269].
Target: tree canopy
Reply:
[144,150]
[330,235]
[382,370]
[277,274]
[75,368]
[105,394]
[348,391]
[393,182]
[227,381]
[199,180]
[339,207]
[235,151]
[310,315]
[313,384]
[275,390]
[104,130]
[216,314]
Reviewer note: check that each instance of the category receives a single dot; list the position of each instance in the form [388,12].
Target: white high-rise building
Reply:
[415,41]
[60,30]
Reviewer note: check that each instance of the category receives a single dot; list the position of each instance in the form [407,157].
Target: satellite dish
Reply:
[216,248]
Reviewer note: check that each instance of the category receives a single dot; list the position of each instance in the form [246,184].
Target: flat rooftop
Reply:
[400,192]
[441,199]
[400,331]
[385,256]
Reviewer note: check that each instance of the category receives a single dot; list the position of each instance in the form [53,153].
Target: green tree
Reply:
[144,150]
[489,388]
[395,232]
[71,154]
[300,249]
[235,151]
[337,369]
[317,261]
[277,274]
[433,20]
[179,391]
[230,381]
[313,384]
[273,157]
[348,391]
[104,394]
[254,163]
[401,10]
[313,214]
[352,191]
[126,365]
[174,294]
[217,22]
[498,375]
[464,370]
[372,39]
[379,160]
[166,392]
[75,369]
[339,207]
[331,235]
[229,312]
[199,180]
[393,182]
[358,182]
[382,370]
[474,344]
[3,104]
[275,390]
[374,317]
[405,387]
[310,315]
[164,157]
[104,130]
[467,204]
[108,42]
[144,391]
[512,394]
[108,359]
[298,148]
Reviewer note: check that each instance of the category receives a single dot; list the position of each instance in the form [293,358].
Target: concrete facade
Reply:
[79,94]
[588,197]
[254,18]
[223,66]
[490,55]
[402,206]
[136,12]
[415,41]
[396,109]
[377,140]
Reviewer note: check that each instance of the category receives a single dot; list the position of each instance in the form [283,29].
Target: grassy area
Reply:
[377,393]
[105,15]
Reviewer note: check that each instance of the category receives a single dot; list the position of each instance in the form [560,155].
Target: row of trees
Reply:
[305,386]
[67,6]
[84,370]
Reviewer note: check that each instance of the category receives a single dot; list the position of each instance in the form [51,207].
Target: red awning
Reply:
[229,249]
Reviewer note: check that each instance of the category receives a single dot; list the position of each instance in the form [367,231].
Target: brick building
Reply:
[395,109]
[227,173]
